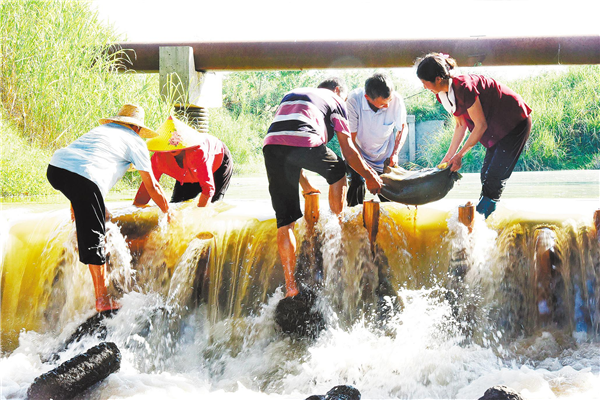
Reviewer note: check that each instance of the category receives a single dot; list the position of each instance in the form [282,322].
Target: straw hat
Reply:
[133,115]
[174,135]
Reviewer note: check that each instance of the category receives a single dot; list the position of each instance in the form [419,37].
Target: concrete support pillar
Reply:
[181,85]
[412,138]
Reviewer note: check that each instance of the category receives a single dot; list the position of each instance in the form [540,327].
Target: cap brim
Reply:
[145,132]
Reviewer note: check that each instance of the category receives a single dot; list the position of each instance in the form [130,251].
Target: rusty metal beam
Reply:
[472,51]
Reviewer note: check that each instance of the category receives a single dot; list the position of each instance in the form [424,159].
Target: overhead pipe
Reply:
[297,55]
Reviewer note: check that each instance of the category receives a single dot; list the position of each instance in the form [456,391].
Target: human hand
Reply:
[311,190]
[374,184]
[455,163]
[307,187]
[170,215]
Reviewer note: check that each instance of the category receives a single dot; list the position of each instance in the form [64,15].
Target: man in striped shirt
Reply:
[306,120]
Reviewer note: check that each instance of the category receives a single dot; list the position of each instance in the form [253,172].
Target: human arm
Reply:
[200,162]
[307,187]
[357,163]
[460,130]
[204,200]
[398,143]
[154,190]
[453,157]
[142,197]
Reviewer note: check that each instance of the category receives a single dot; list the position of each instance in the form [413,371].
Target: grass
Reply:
[20,172]
[56,81]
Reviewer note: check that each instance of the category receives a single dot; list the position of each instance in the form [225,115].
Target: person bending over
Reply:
[377,117]
[495,115]
[306,120]
[199,162]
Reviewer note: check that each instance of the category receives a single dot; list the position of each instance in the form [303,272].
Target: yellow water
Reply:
[218,272]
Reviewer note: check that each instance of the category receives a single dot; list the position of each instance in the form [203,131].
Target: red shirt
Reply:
[502,107]
[199,164]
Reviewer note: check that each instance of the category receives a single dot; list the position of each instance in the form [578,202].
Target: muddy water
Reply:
[199,296]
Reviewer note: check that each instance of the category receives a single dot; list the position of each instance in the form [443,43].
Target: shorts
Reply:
[222,178]
[284,164]
[89,209]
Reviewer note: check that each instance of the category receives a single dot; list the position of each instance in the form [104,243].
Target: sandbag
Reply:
[417,187]
[297,315]
[74,376]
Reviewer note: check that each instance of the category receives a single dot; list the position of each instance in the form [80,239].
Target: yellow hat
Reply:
[174,135]
[133,115]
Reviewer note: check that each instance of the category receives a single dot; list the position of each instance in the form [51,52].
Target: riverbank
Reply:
[571,184]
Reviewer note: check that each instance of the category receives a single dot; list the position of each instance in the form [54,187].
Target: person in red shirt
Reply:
[199,162]
[496,116]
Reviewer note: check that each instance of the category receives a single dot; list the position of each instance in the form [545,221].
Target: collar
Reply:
[366,106]
[448,99]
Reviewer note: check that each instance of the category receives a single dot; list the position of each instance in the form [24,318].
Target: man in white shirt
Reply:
[377,118]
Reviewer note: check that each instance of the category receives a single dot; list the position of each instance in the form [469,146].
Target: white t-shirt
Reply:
[103,155]
[375,131]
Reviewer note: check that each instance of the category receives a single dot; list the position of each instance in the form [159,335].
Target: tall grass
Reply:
[566,119]
[56,81]
[243,134]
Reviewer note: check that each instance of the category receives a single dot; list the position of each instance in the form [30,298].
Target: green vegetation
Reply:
[56,83]
[566,119]
[22,169]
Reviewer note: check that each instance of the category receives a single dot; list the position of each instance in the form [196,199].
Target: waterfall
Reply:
[199,295]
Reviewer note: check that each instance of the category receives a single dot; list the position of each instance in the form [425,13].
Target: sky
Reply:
[271,20]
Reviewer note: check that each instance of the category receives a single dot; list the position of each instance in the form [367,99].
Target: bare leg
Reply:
[286,243]
[103,300]
[337,196]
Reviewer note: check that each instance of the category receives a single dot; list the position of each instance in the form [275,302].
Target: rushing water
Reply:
[199,297]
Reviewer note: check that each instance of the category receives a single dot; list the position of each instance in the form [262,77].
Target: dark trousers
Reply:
[357,188]
[89,209]
[500,160]
[222,178]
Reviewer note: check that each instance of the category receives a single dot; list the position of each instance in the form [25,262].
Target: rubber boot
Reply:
[104,302]
[486,206]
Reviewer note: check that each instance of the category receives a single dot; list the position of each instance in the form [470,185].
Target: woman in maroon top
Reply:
[199,162]
[496,116]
